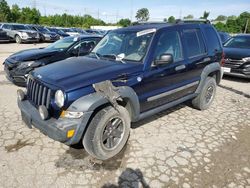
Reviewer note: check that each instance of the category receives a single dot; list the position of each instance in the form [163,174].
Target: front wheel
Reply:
[206,96]
[107,133]
[18,39]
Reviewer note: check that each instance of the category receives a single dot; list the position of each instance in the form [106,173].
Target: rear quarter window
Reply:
[213,42]
[194,41]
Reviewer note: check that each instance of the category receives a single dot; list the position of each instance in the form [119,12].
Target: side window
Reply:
[195,42]
[169,42]
[212,38]
[5,26]
[86,45]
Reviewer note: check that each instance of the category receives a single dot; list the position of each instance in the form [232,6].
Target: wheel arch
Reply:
[211,70]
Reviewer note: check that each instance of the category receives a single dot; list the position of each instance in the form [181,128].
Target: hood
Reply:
[50,33]
[27,31]
[236,53]
[32,54]
[78,72]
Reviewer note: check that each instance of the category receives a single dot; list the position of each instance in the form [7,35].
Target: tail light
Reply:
[222,62]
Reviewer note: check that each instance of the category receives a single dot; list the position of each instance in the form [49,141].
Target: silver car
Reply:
[20,33]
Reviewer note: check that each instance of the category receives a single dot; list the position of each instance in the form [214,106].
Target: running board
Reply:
[166,106]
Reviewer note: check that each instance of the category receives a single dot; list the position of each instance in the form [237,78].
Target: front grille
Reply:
[38,94]
[33,35]
[233,63]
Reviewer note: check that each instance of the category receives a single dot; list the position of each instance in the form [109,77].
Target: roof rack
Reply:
[202,21]
[147,23]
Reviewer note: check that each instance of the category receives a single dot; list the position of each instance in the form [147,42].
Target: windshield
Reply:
[42,29]
[126,45]
[63,43]
[19,27]
[238,42]
[67,30]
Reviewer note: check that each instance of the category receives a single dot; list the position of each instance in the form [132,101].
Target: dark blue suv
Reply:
[132,73]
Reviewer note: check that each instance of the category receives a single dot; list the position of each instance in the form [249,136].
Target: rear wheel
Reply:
[18,39]
[107,133]
[206,97]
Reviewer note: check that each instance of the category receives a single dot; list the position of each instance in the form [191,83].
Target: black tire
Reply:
[18,39]
[103,125]
[206,96]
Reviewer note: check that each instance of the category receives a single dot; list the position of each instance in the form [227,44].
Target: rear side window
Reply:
[212,39]
[195,42]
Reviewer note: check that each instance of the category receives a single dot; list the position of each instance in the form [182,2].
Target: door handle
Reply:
[180,67]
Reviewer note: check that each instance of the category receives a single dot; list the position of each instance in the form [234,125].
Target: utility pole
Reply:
[131,11]
[246,26]
[34,4]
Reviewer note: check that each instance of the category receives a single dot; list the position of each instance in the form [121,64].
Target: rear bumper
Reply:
[54,128]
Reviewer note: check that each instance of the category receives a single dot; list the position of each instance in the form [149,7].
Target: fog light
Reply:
[43,112]
[20,95]
[70,133]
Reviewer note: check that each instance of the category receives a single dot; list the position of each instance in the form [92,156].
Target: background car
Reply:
[58,31]
[224,36]
[44,33]
[70,31]
[20,33]
[3,36]
[18,65]
[237,56]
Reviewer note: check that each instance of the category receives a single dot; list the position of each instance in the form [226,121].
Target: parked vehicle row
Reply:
[21,33]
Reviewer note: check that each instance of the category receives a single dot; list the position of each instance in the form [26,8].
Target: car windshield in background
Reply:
[42,29]
[63,43]
[238,42]
[19,27]
[124,45]
[67,30]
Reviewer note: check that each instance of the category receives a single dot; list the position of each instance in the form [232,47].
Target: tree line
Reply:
[231,24]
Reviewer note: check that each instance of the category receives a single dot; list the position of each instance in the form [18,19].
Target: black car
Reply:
[58,31]
[45,34]
[3,36]
[18,65]
[224,36]
[237,56]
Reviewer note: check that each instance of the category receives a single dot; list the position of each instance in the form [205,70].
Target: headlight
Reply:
[72,115]
[59,98]
[46,35]
[246,59]
[24,34]
[26,64]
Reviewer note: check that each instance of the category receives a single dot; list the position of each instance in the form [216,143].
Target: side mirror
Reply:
[74,52]
[164,59]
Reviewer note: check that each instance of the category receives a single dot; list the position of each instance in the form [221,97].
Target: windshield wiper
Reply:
[114,57]
[97,55]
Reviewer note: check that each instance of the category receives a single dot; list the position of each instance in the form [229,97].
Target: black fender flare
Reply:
[91,102]
[211,68]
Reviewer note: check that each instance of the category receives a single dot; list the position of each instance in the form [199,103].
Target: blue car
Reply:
[132,73]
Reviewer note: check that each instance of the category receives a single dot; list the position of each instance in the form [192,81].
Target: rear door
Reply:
[195,49]
[170,82]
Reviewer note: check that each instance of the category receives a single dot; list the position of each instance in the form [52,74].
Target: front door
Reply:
[169,82]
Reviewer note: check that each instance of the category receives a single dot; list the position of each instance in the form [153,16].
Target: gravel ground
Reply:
[180,147]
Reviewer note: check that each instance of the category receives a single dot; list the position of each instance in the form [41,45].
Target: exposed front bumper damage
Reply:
[54,128]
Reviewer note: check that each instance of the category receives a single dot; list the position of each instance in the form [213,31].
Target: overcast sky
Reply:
[112,10]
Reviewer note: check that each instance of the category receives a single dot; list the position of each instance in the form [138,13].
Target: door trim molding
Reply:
[155,97]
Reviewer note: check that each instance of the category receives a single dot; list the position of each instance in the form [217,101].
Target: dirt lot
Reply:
[181,147]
